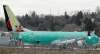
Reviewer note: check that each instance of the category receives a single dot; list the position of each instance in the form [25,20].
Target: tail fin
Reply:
[10,18]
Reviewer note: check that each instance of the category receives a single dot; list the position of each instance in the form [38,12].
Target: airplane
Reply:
[43,37]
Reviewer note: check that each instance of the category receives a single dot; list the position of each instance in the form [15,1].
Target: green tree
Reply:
[79,18]
[1,23]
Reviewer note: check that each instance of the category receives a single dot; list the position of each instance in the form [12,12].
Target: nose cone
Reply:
[92,40]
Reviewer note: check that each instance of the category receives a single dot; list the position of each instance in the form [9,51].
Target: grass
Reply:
[45,51]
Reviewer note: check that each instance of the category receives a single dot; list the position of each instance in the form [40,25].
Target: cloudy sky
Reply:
[56,7]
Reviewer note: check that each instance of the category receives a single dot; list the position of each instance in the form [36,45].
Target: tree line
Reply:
[85,20]
[57,23]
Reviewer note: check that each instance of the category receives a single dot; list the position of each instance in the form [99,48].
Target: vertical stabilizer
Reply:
[10,18]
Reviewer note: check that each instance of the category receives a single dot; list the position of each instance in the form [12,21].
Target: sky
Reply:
[55,7]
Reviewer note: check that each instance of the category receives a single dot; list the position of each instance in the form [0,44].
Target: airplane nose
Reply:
[91,40]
